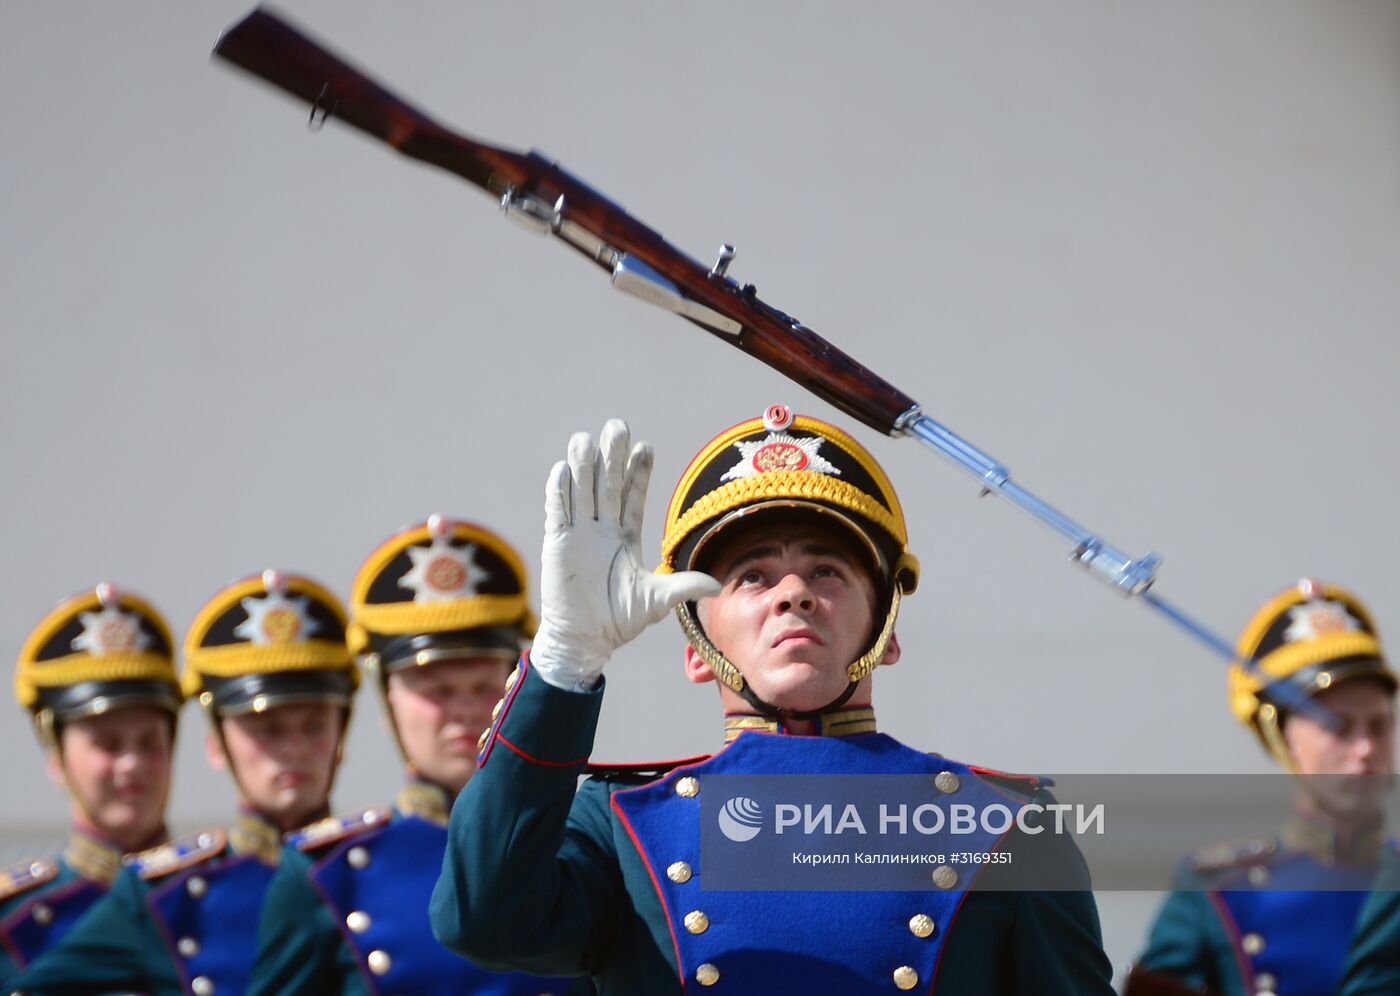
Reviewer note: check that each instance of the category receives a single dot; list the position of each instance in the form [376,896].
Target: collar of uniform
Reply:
[424,800]
[92,858]
[1331,844]
[251,834]
[837,723]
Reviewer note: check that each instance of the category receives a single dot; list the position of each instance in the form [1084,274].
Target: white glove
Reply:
[595,594]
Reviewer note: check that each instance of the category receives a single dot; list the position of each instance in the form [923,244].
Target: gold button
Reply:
[358,857]
[43,914]
[496,709]
[1253,944]
[679,872]
[1266,983]
[1324,679]
[260,703]
[512,678]
[1258,875]
[946,782]
[707,974]
[697,922]
[358,921]
[905,977]
[202,985]
[922,925]
[687,787]
[944,877]
[196,886]
[187,946]
[379,962]
[481,740]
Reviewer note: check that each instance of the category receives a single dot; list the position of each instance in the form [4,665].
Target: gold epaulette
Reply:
[1233,854]
[177,855]
[333,829]
[25,875]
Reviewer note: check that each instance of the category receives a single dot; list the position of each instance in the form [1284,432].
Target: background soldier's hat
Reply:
[269,639]
[1313,635]
[788,465]
[438,589]
[100,650]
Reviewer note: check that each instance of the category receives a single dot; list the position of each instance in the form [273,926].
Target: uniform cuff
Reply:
[541,723]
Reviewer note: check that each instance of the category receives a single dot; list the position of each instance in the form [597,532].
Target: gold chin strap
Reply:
[838,723]
[726,672]
[1272,734]
[374,666]
[47,727]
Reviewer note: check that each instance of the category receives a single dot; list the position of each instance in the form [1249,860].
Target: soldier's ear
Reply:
[696,669]
[214,752]
[891,650]
[53,767]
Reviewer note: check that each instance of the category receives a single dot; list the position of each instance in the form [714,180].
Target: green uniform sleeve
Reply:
[1373,965]
[300,949]
[525,884]
[116,947]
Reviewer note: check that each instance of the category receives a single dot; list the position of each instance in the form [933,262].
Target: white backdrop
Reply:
[1147,255]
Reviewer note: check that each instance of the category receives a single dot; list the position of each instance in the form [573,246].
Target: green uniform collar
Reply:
[837,723]
[251,834]
[1332,844]
[424,800]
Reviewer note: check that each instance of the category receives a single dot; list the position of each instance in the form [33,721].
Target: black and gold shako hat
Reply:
[438,589]
[100,650]
[784,465]
[270,639]
[1313,635]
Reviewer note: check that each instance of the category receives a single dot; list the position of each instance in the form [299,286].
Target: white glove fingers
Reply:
[583,464]
[666,591]
[634,491]
[558,500]
[612,447]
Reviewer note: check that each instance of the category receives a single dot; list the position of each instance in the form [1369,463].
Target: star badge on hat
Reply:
[442,572]
[274,618]
[1311,620]
[111,630]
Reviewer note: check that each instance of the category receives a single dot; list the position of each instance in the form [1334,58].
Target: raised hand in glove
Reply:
[595,592]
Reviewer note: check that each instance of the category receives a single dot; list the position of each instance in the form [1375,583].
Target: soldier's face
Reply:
[118,766]
[440,710]
[283,759]
[1351,766]
[796,606]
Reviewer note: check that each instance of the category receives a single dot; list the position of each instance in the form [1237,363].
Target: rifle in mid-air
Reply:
[540,194]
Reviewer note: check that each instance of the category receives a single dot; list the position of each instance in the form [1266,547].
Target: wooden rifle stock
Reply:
[548,198]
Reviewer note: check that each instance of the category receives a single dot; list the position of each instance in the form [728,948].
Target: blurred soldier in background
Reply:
[1275,914]
[98,675]
[267,659]
[440,612]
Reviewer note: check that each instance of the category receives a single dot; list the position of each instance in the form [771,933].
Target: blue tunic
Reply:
[544,874]
[1260,916]
[347,912]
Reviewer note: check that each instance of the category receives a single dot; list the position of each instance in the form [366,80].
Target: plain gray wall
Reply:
[1148,255]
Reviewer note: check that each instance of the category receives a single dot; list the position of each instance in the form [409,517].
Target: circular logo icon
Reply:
[740,819]
[445,574]
[281,625]
[780,456]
